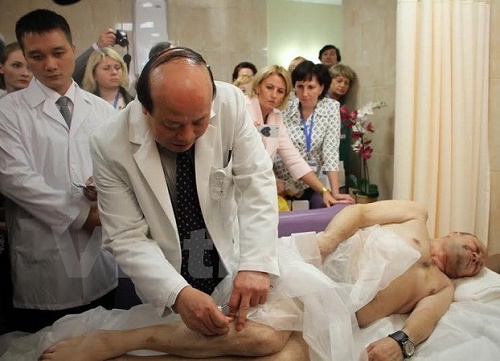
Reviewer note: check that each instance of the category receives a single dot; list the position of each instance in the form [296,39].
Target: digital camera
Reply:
[121,38]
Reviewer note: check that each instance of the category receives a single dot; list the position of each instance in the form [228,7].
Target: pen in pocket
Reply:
[90,187]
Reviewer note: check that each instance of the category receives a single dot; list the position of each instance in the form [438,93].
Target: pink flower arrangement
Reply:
[357,121]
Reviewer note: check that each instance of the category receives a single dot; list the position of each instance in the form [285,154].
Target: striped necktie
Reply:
[62,102]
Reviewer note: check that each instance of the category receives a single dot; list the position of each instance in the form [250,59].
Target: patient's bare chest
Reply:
[402,295]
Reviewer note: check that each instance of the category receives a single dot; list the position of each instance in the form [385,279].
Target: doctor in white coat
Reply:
[57,266]
[180,107]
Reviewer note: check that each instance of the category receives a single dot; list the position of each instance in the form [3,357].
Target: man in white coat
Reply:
[57,262]
[181,111]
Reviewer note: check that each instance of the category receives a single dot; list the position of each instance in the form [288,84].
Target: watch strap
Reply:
[402,339]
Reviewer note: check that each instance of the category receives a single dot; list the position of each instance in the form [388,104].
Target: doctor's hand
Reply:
[343,199]
[385,349]
[328,199]
[90,192]
[92,220]
[200,313]
[280,185]
[250,289]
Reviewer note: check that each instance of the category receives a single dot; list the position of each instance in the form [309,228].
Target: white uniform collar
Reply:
[52,94]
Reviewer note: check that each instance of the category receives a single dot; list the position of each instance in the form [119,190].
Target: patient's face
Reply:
[465,255]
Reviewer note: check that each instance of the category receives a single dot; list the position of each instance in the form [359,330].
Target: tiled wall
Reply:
[369,47]
[86,18]
[494,128]
[226,32]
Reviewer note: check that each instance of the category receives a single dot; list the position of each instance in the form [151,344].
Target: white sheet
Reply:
[483,287]
[328,323]
[470,330]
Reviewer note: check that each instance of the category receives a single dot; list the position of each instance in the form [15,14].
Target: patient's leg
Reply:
[296,349]
[254,340]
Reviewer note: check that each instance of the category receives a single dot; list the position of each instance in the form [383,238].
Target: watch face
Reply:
[409,348]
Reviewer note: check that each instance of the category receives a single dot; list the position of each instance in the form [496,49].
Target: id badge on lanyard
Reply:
[115,102]
[308,131]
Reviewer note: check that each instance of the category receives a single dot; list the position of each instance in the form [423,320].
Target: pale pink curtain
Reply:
[441,117]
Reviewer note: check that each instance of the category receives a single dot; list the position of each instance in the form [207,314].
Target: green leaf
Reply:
[354,180]
[370,190]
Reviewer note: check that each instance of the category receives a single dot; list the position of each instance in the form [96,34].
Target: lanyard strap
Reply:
[308,132]
[117,97]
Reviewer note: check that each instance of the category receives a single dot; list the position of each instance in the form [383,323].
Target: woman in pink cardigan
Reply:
[268,94]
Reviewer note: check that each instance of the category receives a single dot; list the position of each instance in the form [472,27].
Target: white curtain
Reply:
[441,116]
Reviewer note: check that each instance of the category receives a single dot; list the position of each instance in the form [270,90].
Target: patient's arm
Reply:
[419,325]
[352,218]
[254,340]
[429,310]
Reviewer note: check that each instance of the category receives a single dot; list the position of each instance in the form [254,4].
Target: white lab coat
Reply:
[39,159]
[236,190]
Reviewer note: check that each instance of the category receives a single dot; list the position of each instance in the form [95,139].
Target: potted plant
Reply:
[362,190]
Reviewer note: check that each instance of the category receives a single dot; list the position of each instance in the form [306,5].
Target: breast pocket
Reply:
[221,181]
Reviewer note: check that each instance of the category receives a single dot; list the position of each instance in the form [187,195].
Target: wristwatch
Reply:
[407,346]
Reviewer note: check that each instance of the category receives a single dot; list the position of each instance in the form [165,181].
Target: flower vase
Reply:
[363,199]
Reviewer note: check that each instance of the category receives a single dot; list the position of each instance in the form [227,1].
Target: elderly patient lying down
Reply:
[414,274]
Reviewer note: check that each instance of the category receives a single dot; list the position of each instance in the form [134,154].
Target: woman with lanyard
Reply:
[106,76]
[313,123]
[268,94]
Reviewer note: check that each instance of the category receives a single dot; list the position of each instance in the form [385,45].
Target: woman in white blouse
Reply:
[268,94]
[313,123]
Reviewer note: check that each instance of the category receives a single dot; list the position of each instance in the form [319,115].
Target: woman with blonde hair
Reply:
[343,78]
[269,93]
[343,81]
[106,76]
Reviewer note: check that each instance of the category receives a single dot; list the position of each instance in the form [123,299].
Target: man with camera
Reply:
[108,38]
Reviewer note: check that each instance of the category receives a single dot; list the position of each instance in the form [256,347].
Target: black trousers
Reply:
[31,320]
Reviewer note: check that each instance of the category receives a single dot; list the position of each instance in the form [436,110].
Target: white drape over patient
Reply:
[304,298]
